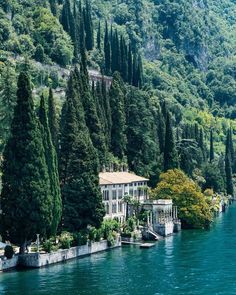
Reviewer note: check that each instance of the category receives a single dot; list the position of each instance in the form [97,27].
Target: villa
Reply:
[115,186]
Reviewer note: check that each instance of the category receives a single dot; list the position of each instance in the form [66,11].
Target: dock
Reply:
[147,245]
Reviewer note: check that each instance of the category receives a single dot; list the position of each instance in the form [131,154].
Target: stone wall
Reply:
[6,264]
[36,260]
[165,229]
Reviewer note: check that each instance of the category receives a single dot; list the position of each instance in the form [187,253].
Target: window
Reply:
[131,192]
[120,194]
[131,184]
[114,208]
[114,185]
[135,193]
[120,207]
[135,184]
[114,195]
[105,195]
[107,208]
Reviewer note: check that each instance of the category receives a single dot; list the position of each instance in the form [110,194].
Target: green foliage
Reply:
[78,166]
[52,164]
[7,102]
[25,197]
[48,246]
[108,226]
[8,252]
[193,209]
[80,238]
[65,240]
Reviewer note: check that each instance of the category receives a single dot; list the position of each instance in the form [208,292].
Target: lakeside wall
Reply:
[37,260]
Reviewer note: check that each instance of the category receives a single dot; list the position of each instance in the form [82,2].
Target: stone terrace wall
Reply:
[37,260]
[9,263]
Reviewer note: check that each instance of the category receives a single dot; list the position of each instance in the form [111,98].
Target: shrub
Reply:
[65,240]
[80,238]
[92,233]
[110,240]
[48,246]
[8,252]
[109,226]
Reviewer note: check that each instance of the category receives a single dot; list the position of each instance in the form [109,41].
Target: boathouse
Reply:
[115,186]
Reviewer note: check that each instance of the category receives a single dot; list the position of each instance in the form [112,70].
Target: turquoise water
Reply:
[192,262]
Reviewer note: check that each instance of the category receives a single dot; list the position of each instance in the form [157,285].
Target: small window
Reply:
[107,208]
[120,193]
[120,205]
[114,208]
[114,195]
[131,192]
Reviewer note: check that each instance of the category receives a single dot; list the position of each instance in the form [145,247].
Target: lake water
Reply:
[191,262]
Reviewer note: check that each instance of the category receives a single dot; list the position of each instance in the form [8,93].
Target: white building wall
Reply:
[121,190]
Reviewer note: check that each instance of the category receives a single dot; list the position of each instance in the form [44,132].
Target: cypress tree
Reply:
[212,154]
[118,130]
[82,200]
[25,198]
[53,6]
[99,37]
[229,177]
[130,65]
[201,143]
[51,161]
[170,153]
[7,103]
[228,164]
[65,16]
[91,116]
[124,59]
[52,119]
[107,50]
[107,111]
[139,72]
[88,25]
[161,131]
[134,71]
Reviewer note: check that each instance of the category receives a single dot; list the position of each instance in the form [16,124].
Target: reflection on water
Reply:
[189,263]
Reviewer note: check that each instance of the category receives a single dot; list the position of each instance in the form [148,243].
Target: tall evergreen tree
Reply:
[25,199]
[170,153]
[53,6]
[99,37]
[161,131]
[118,130]
[91,116]
[228,165]
[107,111]
[52,119]
[7,103]
[212,154]
[79,168]
[88,25]
[229,176]
[130,66]
[107,50]
[52,164]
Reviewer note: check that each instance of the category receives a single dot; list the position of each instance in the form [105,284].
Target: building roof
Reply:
[106,178]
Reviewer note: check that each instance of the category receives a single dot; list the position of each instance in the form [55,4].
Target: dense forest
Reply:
[171,103]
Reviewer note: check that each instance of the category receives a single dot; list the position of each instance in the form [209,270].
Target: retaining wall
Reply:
[36,260]
[7,264]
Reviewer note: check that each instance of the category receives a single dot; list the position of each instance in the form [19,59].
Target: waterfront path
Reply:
[189,263]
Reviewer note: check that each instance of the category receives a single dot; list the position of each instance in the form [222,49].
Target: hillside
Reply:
[183,55]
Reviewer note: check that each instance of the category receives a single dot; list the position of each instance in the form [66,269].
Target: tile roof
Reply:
[106,178]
